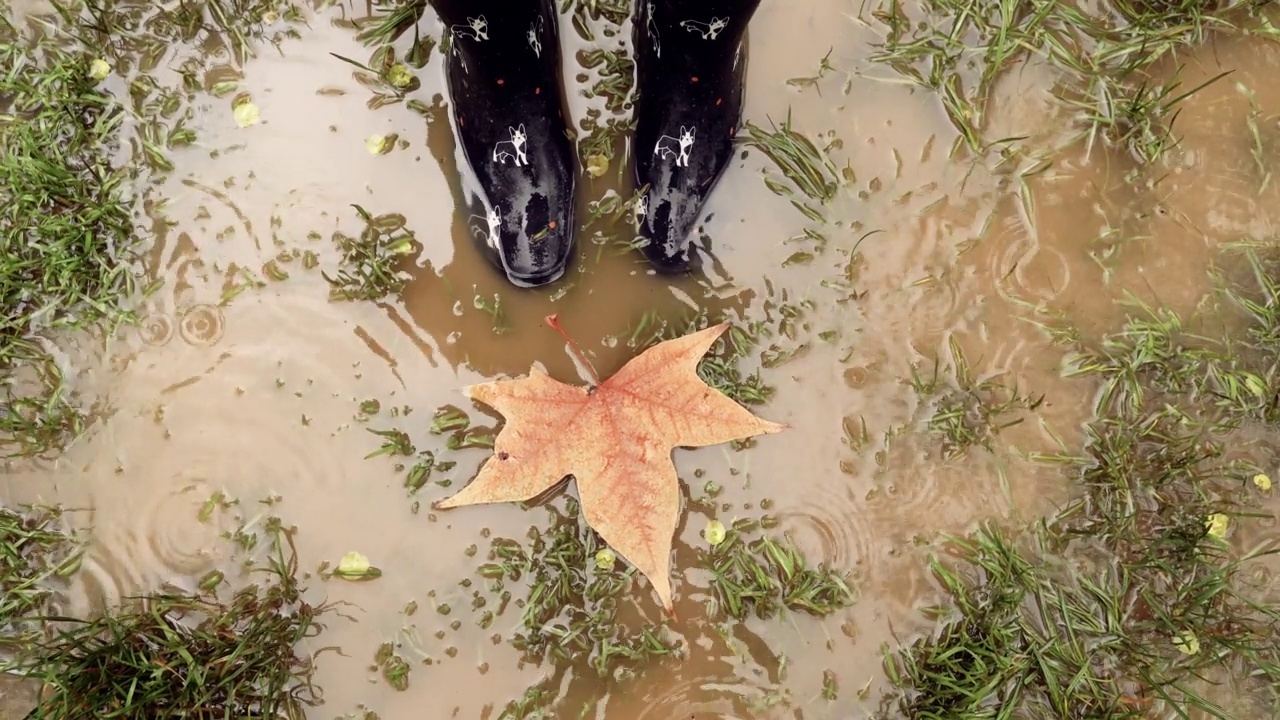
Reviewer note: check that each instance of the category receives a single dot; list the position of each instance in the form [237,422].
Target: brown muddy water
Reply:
[258,398]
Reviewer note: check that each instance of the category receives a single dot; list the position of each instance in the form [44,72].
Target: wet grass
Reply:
[179,655]
[1133,600]
[68,241]
[577,606]
[143,29]
[967,412]
[66,229]
[35,554]
[133,36]
[808,167]
[574,588]
[763,576]
[599,22]
[1120,75]
[68,267]
[371,264]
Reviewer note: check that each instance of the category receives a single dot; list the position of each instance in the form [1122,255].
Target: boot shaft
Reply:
[504,77]
[502,37]
[680,22]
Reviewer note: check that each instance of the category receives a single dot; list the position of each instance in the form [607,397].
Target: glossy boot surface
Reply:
[503,70]
[690,75]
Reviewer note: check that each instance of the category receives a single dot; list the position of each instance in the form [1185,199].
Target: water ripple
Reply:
[828,517]
[156,329]
[704,698]
[254,419]
[105,578]
[939,497]
[201,324]
[181,532]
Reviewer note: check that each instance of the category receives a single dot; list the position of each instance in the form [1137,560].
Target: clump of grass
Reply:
[530,706]
[575,607]
[395,669]
[1033,637]
[937,52]
[389,79]
[1129,602]
[603,130]
[1264,138]
[1190,18]
[571,609]
[389,20]
[764,576]
[1020,642]
[969,412]
[1225,380]
[461,434]
[809,168]
[34,553]
[185,655]
[146,28]
[960,48]
[369,268]
[66,244]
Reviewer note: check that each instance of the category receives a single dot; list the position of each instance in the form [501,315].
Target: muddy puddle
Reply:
[258,397]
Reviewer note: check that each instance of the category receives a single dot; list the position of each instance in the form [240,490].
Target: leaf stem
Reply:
[554,321]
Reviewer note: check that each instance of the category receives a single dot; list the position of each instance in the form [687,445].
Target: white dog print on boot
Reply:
[640,210]
[678,148]
[534,36]
[652,28]
[513,149]
[476,28]
[489,230]
[708,31]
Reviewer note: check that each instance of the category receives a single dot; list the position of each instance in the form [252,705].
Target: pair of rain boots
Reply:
[504,75]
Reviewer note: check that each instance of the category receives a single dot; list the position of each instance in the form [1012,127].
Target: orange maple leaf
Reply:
[616,441]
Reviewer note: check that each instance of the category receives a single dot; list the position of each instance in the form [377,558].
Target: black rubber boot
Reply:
[503,70]
[690,75]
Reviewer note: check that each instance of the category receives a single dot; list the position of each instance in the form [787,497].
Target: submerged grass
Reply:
[34,553]
[369,268]
[193,656]
[68,243]
[599,23]
[809,168]
[968,412]
[66,229]
[571,609]
[577,606]
[959,48]
[1130,602]
[763,576]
